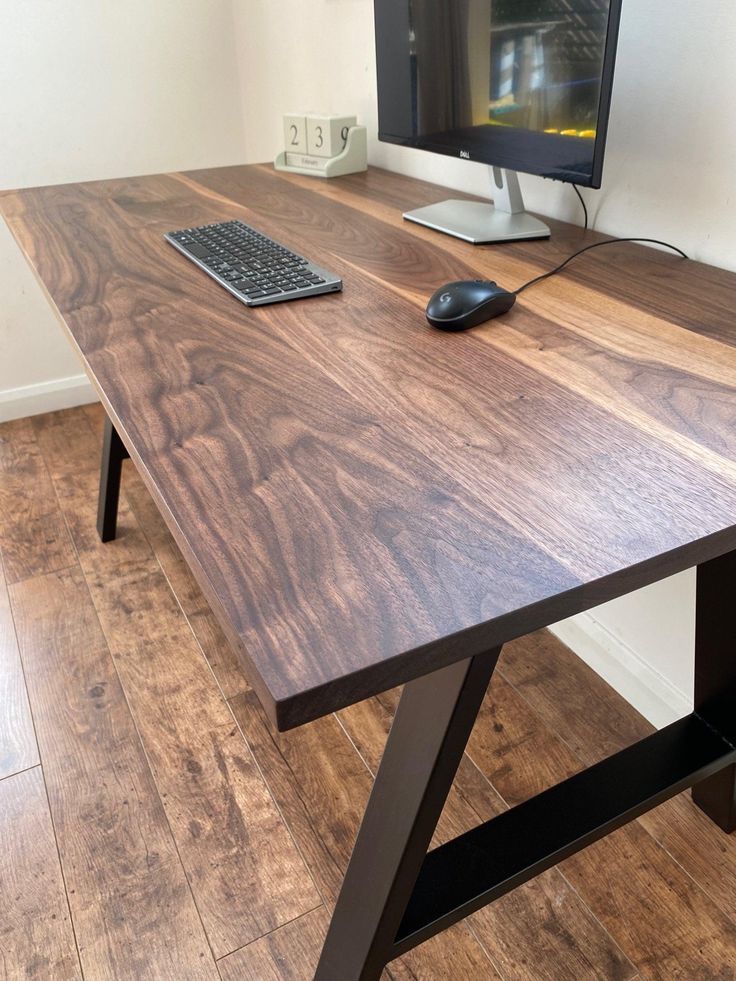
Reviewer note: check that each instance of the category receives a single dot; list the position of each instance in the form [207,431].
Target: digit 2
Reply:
[294,135]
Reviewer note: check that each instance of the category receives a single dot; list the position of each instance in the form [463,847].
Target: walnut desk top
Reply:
[364,499]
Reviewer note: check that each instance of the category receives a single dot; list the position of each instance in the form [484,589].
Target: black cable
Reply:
[596,245]
[582,201]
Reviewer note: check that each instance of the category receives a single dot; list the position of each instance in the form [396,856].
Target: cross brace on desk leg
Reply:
[424,748]
[715,678]
[113,454]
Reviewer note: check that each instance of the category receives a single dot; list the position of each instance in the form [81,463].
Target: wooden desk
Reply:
[366,501]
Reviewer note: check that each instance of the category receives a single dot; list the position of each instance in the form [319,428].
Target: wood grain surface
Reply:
[132,908]
[33,536]
[288,954]
[36,934]
[18,749]
[363,499]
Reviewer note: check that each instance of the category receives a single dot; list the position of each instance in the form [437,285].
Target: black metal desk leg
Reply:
[424,748]
[113,454]
[715,679]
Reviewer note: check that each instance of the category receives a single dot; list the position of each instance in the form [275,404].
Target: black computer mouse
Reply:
[458,306]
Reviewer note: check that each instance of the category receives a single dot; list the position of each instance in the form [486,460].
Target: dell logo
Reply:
[465,154]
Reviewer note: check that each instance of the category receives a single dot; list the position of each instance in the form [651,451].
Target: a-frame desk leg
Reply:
[424,748]
[715,678]
[113,454]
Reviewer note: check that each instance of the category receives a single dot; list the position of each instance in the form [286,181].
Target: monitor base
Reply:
[476,222]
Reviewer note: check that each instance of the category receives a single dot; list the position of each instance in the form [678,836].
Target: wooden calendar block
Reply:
[295,133]
[327,135]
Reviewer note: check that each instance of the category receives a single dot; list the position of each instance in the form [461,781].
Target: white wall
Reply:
[670,173]
[296,55]
[94,89]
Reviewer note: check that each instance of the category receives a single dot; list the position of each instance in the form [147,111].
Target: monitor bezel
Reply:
[527,151]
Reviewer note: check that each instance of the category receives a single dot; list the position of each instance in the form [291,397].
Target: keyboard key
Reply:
[200,251]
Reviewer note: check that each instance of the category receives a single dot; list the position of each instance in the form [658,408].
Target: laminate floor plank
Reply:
[291,954]
[518,754]
[36,935]
[96,415]
[33,536]
[322,786]
[699,846]
[287,954]
[18,749]
[544,931]
[570,698]
[131,905]
[67,442]
[454,955]
[669,925]
[245,873]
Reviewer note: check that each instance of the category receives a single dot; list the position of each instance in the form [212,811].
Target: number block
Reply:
[327,135]
[295,133]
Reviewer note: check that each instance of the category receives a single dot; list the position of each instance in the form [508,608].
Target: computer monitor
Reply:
[522,85]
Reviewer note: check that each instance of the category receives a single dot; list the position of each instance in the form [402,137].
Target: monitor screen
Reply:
[522,84]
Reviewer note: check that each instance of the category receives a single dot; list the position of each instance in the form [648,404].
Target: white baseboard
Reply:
[656,698]
[61,393]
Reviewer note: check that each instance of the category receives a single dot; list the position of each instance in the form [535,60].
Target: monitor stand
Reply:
[503,221]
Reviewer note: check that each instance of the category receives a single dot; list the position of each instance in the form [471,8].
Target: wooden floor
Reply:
[152,824]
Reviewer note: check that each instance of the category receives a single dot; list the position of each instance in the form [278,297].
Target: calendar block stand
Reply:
[352,160]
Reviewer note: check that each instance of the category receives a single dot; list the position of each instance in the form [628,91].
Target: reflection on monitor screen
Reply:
[521,84]
[545,65]
[529,64]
